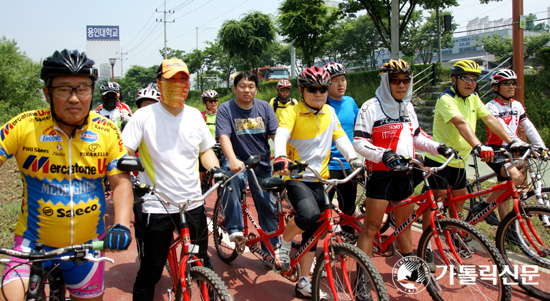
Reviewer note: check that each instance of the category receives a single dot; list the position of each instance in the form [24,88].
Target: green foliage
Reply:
[20,84]
[543,57]
[501,47]
[306,24]
[425,39]
[530,24]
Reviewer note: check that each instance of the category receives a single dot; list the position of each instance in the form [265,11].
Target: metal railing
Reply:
[481,90]
[423,81]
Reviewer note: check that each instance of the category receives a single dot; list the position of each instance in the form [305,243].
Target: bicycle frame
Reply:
[509,191]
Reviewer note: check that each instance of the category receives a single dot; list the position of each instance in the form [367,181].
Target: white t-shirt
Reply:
[169,147]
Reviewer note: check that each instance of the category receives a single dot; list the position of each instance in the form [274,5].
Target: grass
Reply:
[11,190]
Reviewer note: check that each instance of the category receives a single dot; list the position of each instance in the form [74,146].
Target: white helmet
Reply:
[148,92]
[502,75]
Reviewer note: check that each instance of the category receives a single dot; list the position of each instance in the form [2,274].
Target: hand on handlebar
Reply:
[391,159]
[355,163]
[517,146]
[543,153]
[446,151]
[219,174]
[485,152]
[281,165]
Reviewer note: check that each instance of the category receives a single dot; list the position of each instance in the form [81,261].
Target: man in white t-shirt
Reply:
[171,137]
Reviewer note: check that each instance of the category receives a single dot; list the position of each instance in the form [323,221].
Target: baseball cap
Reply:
[170,67]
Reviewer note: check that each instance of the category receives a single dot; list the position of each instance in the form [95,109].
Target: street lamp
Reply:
[112,61]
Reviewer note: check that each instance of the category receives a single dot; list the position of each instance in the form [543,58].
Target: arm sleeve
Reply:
[532,133]
[9,139]
[279,143]
[343,144]
[362,142]
[424,143]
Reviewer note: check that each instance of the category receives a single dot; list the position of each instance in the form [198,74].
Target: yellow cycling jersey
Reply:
[311,136]
[63,197]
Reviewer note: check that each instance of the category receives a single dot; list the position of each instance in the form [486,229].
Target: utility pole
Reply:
[395,29]
[165,21]
[518,48]
[122,54]
[439,54]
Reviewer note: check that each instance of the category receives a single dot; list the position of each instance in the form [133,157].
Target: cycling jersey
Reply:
[278,106]
[311,136]
[448,106]
[118,115]
[210,120]
[375,132]
[511,116]
[64,202]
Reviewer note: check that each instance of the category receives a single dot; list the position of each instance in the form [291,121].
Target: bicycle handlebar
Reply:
[79,252]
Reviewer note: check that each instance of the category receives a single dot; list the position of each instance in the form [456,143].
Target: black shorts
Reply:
[498,163]
[449,176]
[391,189]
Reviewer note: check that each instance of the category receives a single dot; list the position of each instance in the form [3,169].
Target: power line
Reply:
[492,27]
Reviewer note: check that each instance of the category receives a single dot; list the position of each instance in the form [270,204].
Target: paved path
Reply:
[247,277]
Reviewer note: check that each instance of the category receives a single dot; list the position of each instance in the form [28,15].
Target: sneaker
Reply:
[362,288]
[236,237]
[430,261]
[490,219]
[282,256]
[303,290]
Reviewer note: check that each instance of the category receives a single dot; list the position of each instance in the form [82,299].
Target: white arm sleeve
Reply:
[345,147]
[368,150]
[279,142]
[424,143]
[532,133]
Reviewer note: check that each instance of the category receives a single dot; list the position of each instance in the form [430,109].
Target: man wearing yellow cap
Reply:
[168,132]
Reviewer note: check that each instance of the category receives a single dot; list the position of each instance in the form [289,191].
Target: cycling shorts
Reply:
[84,280]
[390,189]
[499,161]
[449,176]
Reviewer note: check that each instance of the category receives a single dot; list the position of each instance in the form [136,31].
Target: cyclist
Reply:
[303,126]
[244,126]
[511,115]
[158,130]
[210,100]
[347,111]
[387,128]
[283,99]
[455,118]
[111,106]
[147,96]
[63,154]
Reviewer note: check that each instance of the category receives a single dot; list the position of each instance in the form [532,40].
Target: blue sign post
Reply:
[102,33]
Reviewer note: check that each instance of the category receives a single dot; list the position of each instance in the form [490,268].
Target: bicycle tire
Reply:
[508,245]
[531,199]
[58,288]
[226,250]
[217,290]
[477,251]
[356,262]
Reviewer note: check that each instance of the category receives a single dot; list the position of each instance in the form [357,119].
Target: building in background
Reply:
[102,44]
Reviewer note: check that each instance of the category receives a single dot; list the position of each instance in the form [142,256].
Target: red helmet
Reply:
[314,76]
[502,75]
[284,83]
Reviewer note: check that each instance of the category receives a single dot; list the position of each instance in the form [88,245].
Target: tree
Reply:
[425,41]
[501,47]
[135,79]
[19,81]
[305,24]
[247,38]
[530,24]
[380,13]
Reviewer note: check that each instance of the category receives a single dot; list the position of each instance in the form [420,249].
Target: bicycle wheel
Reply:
[531,198]
[226,250]
[202,280]
[521,255]
[470,203]
[471,274]
[389,220]
[350,268]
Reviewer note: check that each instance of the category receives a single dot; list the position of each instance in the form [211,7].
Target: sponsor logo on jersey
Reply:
[100,120]
[50,138]
[89,136]
[5,131]
[35,164]
[79,211]
[35,150]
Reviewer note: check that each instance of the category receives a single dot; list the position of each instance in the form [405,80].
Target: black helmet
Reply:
[68,62]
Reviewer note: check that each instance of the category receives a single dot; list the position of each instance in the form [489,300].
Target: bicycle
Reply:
[190,279]
[47,283]
[524,229]
[208,176]
[445,239]
[342,270]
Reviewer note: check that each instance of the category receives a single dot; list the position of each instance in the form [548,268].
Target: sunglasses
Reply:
[212,100]
[314,90]
[284,90]
[509,83]
[398,81]
[468,79]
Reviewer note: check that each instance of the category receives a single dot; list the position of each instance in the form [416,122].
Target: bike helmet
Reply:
[67,62]
[502,75]
[109,87]
[209,94]
[148,92]
[465,66]
[314,76]
[284,83]
[396,66]
[335,69]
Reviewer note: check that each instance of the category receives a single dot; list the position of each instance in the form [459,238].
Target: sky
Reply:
[40,27]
